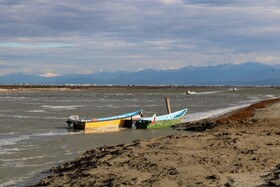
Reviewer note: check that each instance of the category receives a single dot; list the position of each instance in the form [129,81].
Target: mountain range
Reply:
[225,74]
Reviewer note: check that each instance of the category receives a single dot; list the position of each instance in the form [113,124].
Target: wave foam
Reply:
[68,107]
[24,158]
[13,140]
[203,93]
[212,113]
[37,111]
[9,141]
[56,133]
[29,117]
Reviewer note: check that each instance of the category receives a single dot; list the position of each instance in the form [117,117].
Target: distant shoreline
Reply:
[76,87]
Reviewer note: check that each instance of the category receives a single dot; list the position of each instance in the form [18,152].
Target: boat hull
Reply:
[157,124]
[100,125]
[163,121]
[103,123]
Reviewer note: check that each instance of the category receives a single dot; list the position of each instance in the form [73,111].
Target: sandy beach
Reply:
[238,149]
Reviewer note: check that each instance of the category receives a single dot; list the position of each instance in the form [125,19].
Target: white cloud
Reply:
[170,1]
[33,45]
[50,74]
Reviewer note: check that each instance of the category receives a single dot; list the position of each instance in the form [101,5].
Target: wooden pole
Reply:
[167,105]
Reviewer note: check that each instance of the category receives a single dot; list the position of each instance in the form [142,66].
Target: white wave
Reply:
[57,133]
[29,117]
[7,133]
[9,183]
[21,181]
[13,140]
[7,151]
[254,99]
[37,111]
[68,152]
[119,106]
[5,97]
[203,93]
[270,96]
[67,107]
[13,98]
[24,158]
[10,141]
[22,117]
[6,110]
[212,113]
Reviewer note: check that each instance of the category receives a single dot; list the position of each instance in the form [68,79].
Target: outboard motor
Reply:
[72,120]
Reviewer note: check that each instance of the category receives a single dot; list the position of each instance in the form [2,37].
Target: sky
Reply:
[57,37]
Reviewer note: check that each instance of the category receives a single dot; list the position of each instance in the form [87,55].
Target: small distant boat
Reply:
[160,121]
[190,92]
[103,123]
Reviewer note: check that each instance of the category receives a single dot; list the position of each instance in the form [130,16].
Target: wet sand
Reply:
[238,149]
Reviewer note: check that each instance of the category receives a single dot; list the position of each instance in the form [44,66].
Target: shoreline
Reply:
[83,87]
[239,115]
[227,152]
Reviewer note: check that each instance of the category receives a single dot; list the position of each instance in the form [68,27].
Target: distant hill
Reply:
[226,74]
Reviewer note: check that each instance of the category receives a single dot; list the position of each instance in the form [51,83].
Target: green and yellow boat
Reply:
[163,121]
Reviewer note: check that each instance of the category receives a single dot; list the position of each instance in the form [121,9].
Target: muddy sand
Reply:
[238,149]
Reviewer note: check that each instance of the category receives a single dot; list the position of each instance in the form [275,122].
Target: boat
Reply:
[162,121]
[190,92]
[118,121]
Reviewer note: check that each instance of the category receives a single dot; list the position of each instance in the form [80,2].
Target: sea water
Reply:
[34,135]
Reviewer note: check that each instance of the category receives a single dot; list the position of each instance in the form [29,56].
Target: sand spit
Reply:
[93,87]
[240,149]
[77,87]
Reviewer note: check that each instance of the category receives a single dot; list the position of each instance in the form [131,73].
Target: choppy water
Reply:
[34,136]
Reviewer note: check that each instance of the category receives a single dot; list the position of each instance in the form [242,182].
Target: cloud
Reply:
[49,74]
[170,1]
[85,36]
[33,45]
